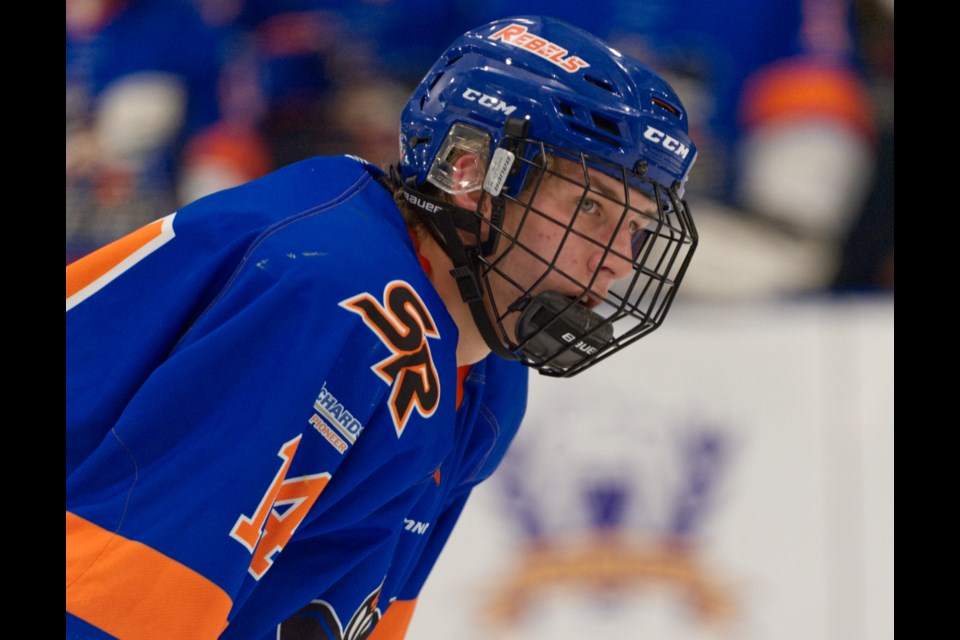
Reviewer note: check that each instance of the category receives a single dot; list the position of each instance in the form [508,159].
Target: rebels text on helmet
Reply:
[518,36]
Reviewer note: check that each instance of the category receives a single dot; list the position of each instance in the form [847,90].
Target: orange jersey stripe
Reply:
[89,274]
[393,625]
[132,591]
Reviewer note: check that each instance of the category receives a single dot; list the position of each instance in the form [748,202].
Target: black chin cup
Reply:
[565,333]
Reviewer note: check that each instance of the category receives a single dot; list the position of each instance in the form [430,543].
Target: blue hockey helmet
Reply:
[572,89]
[523,96]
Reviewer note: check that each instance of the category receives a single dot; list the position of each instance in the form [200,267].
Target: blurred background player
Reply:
[145,130]
[793,111]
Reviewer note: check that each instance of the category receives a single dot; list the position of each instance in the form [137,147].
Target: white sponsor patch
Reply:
[498,172]
[337,415]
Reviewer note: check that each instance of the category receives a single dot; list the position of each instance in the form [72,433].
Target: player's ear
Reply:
[468,174]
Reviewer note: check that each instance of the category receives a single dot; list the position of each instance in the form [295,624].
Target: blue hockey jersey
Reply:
[267,433]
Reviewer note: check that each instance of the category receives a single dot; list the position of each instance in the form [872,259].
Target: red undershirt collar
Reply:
[463,371]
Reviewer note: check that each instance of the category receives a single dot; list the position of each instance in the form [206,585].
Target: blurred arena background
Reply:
[733,478]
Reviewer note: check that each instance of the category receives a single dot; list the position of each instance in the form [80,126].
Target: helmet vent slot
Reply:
[605,124]
[593,133]
[666,106]
[565,109]
[599,82]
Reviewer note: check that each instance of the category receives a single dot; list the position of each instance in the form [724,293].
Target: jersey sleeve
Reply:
[186,496]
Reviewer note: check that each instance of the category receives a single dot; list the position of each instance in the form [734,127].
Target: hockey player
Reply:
[280,396]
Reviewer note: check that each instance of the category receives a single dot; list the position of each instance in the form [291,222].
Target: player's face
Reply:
[577,253]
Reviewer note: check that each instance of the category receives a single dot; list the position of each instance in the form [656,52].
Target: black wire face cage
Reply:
[558,314]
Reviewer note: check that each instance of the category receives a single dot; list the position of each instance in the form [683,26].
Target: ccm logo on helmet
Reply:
[667,142]
[488,101]
[518,36]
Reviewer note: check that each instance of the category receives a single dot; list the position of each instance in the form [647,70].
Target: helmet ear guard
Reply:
[449,172]
[463,165]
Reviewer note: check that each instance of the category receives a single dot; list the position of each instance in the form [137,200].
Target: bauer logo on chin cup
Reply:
[562,333]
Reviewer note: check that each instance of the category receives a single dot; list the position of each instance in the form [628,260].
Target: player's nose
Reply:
[618,260]
[611,262]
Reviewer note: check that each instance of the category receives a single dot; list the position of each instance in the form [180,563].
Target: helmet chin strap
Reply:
[444,222]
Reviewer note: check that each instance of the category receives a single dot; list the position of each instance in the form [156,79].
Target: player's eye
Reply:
[589,206]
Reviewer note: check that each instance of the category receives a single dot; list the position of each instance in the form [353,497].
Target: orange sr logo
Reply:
[403,324]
